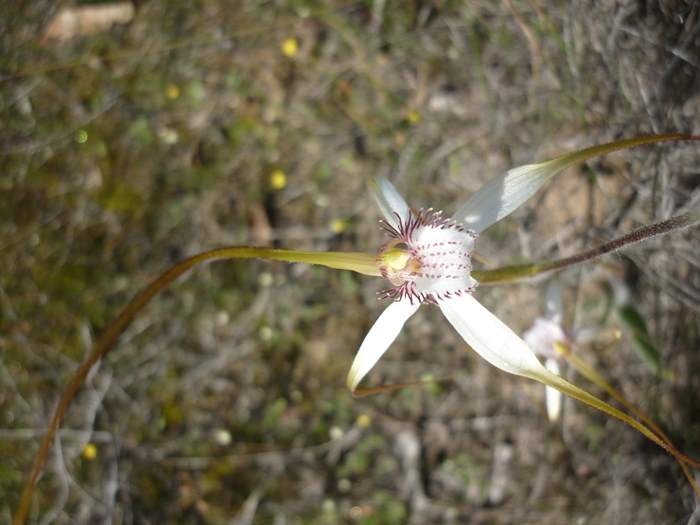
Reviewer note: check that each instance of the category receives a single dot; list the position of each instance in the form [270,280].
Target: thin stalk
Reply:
[359,262]
[590,373]
[517,272]
[555,381]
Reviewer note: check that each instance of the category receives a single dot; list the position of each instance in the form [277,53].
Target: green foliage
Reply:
[636,327]
[387,510]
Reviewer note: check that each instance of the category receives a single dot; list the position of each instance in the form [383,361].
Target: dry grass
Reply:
[125,150]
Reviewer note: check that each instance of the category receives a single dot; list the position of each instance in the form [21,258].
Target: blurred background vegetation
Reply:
[133,135]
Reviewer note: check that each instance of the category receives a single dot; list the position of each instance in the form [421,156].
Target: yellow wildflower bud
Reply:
[278,179]
[363,421]
[413,117]
[290,47]
[338,225]
[90,451]
[172,91]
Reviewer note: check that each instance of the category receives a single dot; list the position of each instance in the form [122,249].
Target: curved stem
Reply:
[571,390]
[590,373]
[517,272]
[359,262]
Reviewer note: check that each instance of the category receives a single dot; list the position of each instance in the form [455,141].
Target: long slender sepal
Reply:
[363,263]
[391,203]
[502,195]
[357,262]
[519,272]
[494,341]
[377,341]
[555,381]
[590,373]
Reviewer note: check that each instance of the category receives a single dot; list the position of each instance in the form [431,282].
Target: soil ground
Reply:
[133,139]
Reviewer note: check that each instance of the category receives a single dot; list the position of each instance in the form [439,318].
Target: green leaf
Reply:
[636,327]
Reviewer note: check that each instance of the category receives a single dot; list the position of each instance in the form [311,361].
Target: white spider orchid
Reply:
[428,260]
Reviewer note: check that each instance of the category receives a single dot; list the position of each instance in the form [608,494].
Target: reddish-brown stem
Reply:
[105,343]
[523,271]
[357,262]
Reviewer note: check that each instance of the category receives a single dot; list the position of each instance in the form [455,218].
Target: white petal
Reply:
[432,235]
[503,195]
[377,341]
[445,264]
[552,396]
[389,200]
[542,335]
[437,286]
[490,337]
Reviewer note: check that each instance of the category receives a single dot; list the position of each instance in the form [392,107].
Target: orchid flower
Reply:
[428,261]
[544,337]
[549,340]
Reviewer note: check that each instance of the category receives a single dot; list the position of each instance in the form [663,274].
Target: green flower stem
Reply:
[590,373]
[569,159]
[548,378]
[358,262]
[518,272]
[555,381]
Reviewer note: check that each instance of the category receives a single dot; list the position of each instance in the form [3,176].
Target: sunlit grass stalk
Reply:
[590,373]
[358,262]
[575,392]
[517,272]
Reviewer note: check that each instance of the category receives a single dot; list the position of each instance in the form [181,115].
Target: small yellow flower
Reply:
[290,47]
[278,179]
[172,91]
[363,421]
[338,225]
[90,451]
[413,117]
[81,137]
